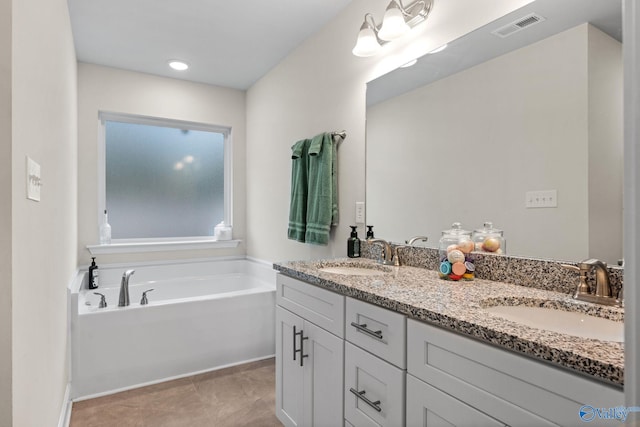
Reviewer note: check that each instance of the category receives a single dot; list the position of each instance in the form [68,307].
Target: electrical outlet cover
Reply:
[34,182]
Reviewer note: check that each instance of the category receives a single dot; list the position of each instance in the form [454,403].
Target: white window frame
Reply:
[162,243]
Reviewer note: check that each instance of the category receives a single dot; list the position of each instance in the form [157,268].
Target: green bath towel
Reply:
[321,191]
[299,190]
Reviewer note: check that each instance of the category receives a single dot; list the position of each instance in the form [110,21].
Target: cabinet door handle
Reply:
[294,342]
[302,355]
[301,349]
[363,328]
[361,395]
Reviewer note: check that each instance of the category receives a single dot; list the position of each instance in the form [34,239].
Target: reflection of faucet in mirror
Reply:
[412,240]
[601,294]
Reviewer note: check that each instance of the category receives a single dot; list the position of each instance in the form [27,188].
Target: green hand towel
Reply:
[320,199]
[299,191]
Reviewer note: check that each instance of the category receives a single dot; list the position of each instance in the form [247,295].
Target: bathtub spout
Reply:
[124,288]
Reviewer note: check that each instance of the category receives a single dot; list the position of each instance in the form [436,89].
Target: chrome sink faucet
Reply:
[602,293]
[387,253]
[123,300]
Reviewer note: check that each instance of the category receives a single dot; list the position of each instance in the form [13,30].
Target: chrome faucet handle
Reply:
[144,300]
[583,287]
[396,256]
[620,298]
[103,300]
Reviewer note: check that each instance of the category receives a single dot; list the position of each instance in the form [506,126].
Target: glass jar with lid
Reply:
[489,239]
[456,260]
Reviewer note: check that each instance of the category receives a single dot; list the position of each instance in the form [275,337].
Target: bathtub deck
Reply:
[242,395]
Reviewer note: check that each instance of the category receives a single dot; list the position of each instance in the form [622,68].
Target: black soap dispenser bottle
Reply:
[370,232]
[353,244]
[93,274]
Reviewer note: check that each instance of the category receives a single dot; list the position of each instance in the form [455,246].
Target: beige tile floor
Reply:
[239,396]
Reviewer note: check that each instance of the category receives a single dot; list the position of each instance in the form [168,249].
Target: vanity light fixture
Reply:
[178,65]
[397,21]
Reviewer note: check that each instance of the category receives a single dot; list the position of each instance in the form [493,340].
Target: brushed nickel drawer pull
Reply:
[360,395]
[363,328]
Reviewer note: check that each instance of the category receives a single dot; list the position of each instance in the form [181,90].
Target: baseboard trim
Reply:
[65,411]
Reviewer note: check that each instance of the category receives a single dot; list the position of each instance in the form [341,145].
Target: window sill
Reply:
[183,245]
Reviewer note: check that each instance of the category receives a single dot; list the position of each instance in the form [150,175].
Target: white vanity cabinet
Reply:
[309,355]
[457,380]
[344,362]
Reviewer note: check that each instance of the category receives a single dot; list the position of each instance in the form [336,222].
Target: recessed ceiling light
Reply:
[178,65]
[438,49]
[409,64]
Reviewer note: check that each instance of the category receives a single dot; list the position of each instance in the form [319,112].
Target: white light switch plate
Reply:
[34,183]
[359,212]
[541,199]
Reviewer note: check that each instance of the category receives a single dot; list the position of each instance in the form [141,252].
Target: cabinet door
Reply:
[323,377]
[428,406]
[374,390]
[289,374]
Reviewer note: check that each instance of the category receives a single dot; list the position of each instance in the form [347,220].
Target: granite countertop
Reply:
[420,294]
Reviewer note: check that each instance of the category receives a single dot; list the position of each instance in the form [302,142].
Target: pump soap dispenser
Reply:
[353,244]
[93,274]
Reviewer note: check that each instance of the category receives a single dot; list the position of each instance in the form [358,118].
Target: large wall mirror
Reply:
[531,102]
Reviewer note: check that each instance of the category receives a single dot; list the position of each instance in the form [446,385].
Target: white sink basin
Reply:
[353,271]
[564,322]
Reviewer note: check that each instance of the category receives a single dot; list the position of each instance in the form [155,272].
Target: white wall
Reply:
[5,213]
[468,147]
[605,146]
[321,87]
[109,89]
[44,111]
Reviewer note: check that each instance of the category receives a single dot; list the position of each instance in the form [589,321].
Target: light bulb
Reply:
[393,24]
[178,65]
[367,44]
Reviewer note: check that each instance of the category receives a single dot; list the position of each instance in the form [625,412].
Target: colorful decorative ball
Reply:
[491,244]
[445,267]
[452,248]
[458,269]
[455,256]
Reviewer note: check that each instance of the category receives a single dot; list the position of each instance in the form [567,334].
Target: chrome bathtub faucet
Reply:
[123,300]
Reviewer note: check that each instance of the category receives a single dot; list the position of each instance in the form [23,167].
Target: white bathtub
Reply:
[201,316]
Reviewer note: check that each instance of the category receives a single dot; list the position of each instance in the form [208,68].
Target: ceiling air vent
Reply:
[518,25]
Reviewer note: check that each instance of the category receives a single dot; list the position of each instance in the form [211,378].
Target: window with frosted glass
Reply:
[163,182]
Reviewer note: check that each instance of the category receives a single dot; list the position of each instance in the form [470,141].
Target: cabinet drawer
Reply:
[319,306]
[512,388]
[374,390]
[428,406]
[377,330]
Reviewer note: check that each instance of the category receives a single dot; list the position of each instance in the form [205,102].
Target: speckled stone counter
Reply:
[458,306]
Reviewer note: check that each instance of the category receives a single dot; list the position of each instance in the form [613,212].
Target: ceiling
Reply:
[481,45]
[226,43]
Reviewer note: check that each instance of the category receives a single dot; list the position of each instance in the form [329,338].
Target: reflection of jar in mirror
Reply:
[456,260]
[489,239]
